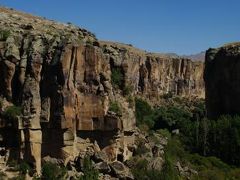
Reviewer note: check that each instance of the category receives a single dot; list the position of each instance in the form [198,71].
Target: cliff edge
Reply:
[66,83]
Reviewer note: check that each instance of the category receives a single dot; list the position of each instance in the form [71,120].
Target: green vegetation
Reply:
[219,138]
[207,168]
[115,107]
[127,90]
[117,77]
[167,95]
[12,112]
[2,176]
[24,168]
[211,147]
[89,172]
[141,171]
[143,112]
[130,100]
[52,171]
[4,34]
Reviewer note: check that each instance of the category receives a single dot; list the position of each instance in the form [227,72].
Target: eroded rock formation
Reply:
[152,75]
[61,77]
[222,78]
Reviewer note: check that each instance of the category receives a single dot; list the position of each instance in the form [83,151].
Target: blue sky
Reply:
[180,26]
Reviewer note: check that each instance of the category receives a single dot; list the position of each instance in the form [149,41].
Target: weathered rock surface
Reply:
[121,171]
[152,75]
[222,78]
[61,77]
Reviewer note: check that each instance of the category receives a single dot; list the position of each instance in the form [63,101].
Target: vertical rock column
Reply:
[31,103]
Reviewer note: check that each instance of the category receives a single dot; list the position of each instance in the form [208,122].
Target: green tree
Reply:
[89,172]
[12,112]
[117,77]
[143,113]
[52,171]
[115,107]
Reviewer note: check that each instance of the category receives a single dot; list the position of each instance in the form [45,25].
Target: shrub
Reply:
[170,117]
[167,95]
[2,175]
[51,171]
[4,34]
[141,149]
[139,170]
[12,112]
[168,172]
[164,133]
[130,100]
[117,77]
[89,172]
[24,168]
[143,112]
[127,90]
[115,107]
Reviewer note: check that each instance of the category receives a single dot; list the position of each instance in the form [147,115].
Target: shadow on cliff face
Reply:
[52,142]
[10,141]
[103,138]
[52,81]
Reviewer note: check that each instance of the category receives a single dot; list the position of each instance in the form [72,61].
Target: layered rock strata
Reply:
[61,77]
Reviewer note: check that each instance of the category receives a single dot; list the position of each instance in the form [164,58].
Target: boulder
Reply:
[120,171]
[100,156]
[102,167]
[156,163]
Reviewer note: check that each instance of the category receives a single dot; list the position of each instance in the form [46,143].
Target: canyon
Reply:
[62,78]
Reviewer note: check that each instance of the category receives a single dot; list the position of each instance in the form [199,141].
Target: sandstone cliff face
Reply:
[152,75]
[61,77]
[222,77]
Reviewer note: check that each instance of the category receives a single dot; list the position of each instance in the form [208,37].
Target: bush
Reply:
[143,112]
[89,172]
[4,34]
[164,133]
[115,107]
[117,77]
[12,112]
[127,90]
[168,172]
[139,170]
[51,171]
[170,117]
[130,100]
[2,175]
[24,168]
[167,95]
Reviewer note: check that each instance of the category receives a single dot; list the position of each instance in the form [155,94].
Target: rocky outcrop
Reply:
[222,77]
[152,75]
[61,77]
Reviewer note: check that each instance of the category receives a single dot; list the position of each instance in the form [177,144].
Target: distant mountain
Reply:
[196,57]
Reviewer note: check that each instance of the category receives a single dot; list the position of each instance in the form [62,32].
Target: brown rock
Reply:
[120,170]
[61,76]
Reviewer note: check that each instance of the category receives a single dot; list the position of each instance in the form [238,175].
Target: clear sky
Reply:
[180,26]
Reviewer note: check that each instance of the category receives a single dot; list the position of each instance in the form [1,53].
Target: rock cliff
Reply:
[62,78]
[222,77]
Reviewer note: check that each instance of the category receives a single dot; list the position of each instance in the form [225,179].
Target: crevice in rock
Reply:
[16,87]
